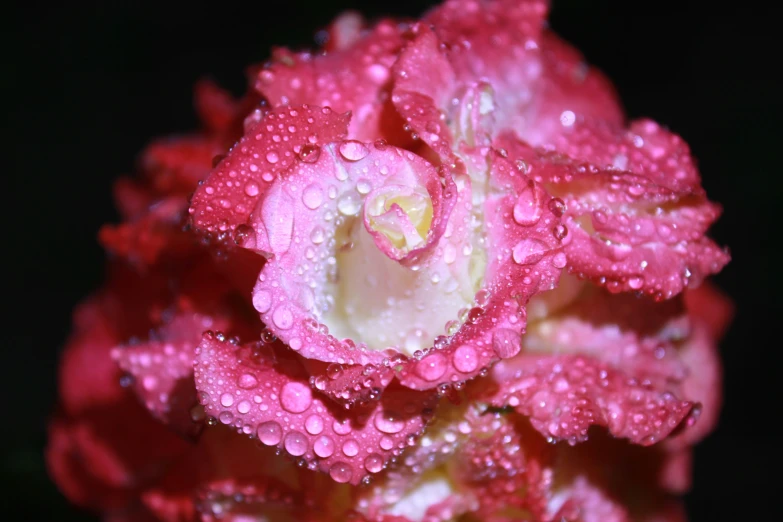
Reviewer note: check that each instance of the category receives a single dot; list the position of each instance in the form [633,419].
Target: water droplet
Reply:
[334,370]
[251,189]
[342,427]
[317,235]
[432,367]
[226,417]
[373,463]
[636,282]
[349,204]
[295,443]
[389,422]
[314,424]
[527,210]
[309,153]
[353,150]
[296,397]
[386,443]
[340,472]
[272,157]
[262,300]
[465,359]
[529,251]
[243,407]
[242,233]
[351,448]
[323,447]
[282,317]
[363,186]
[226,399]
[246,381]
[559,260]
[312,196]
[560,232]
[557,206]
[506,343]
[269,433]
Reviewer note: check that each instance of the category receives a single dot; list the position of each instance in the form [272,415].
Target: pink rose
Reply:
[435,258]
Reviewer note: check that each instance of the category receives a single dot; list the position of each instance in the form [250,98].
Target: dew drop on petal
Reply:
[351,448]
[527,210]
[309,153]
[559,260]
[432,367]
[283,318]
[353,150]
[389,422]
[296,397]
[295,443]
[465,359]
[312,196]
[349,204]
[251,189]
[314,424]
[226,399]
[373,463]
[269,433]
[323,447]
[340,472]
[528,251]
[506,343]
[262,301]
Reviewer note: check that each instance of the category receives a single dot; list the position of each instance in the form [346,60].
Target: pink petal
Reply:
[628,230]
[424,83]
[524,259]
[538,81]
[162,371]
[299,216]
[283,137]
[709,313]
[566,91]
[264,392]
[565,395]
[637,336]
[152,235]
[352,77]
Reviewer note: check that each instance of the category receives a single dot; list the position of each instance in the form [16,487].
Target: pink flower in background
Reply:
[426,275]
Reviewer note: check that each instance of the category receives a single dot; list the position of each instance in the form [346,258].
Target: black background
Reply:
[86,86]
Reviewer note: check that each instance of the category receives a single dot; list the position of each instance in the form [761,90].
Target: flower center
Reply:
[387,304]
[401,214]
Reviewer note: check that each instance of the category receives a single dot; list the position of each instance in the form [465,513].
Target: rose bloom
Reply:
[428,273]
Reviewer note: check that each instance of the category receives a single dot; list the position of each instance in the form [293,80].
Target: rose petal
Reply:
[709,313]
[152,235]
[283,137]
[350,78]
[523,259]
[638,336]
[564,396]
[162,371]
[566,91]
[302,221]
[424,83]
[539,84]
[623,229]
[493,42]
[264,392]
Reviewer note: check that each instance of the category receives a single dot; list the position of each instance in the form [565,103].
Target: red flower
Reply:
[429,251]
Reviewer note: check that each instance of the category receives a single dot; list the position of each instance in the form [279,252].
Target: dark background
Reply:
[86,86]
